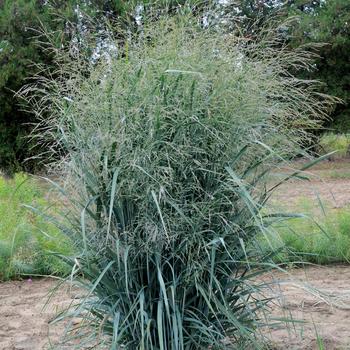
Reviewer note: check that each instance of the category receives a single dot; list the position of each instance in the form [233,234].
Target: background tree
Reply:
[328,22]
[18,52]
[323,22]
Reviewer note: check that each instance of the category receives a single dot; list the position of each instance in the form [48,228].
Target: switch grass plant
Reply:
[166,149]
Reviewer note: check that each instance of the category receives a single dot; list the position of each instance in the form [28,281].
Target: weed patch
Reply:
[338,143]
[25,238]
[318,236]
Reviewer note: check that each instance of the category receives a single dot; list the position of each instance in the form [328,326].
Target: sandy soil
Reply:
[25,317]
[325,184]
[322,299]
[335,192]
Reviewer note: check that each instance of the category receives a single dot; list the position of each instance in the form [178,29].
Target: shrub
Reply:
[338,143]
[26,239]
[167,149]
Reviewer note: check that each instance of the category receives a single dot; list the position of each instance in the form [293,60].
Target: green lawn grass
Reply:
[320,235]
[338,143]
[26,240]
[335,174]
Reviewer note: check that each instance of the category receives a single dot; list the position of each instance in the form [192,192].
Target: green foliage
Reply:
[15,58]
[26,239]
[338,143]
[322,237]
[328,22]
[167,149]
[20,57]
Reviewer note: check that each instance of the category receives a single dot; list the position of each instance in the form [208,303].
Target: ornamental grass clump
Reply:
[167,149]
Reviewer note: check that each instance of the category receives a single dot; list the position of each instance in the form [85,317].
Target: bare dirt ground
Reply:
[23,318]
[322,298]
[328,182]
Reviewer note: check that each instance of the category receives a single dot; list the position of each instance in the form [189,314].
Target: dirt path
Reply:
[23,318]
[24,324]
[322,299]
[335,193]
[328,182]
